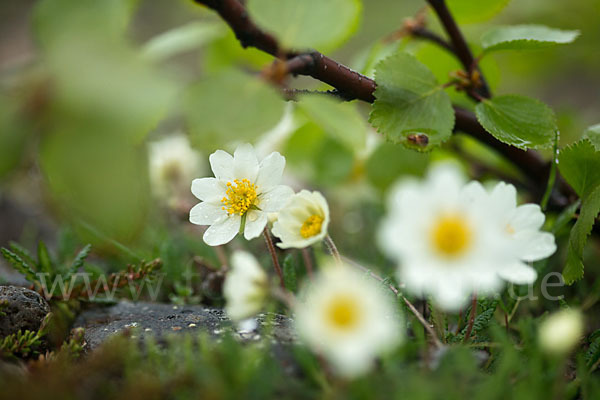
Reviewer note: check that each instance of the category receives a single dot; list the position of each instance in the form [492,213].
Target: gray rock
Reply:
[160,320]
[24,309]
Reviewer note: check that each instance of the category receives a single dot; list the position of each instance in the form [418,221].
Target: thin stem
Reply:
[552,177]
[271,248]
[308,262]
[333,249]
[222,257]
[410,306]
[514,310]
[471,318]
[424,33]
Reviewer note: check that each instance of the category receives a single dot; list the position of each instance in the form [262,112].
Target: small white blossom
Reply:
[561,331]
[240,196]
[303,221]
[172,164]
[443,238]
[347,317]
[521,225]
[245,288]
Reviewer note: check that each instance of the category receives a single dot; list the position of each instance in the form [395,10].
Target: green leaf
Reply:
[22,252]
[410,107]
[20,265]
[80,259]
[590,207]
[525,37]
[113,84]
[98,177]
[181,39]
[593,135]
[44,260]
[579,164]
[339,119]
[231,106]
[289,273]
[519,121]
[318,24]
[469,11]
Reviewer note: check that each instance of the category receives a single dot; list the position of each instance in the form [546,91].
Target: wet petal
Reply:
[223,231]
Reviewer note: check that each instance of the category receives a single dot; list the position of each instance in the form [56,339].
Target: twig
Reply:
[471,318]
[410,306]
[271,248]
[352,84]
[333,249]
[458,41]
[424,33]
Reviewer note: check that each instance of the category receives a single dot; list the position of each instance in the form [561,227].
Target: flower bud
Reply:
[561,331]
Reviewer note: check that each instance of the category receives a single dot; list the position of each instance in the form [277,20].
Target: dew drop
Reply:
[325,67]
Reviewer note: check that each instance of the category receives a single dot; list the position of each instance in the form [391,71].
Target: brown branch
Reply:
[351,85]
[458,41]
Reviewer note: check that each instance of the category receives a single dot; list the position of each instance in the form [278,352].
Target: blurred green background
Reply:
[86,85]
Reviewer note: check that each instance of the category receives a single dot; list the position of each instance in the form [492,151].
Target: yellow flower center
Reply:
[312,226]
[343,312]
[240,196]
[451,236]
[509,229]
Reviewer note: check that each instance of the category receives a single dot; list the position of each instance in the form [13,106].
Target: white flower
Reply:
[346,317]
[303,221]
[245,288]
[240,196]
[522,227]
[443,238]
[172,164]
[561,331]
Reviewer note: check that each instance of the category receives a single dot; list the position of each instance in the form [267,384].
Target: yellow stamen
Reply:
[343,312]
[451,236]
[239,197]
[312,226]
[509,229]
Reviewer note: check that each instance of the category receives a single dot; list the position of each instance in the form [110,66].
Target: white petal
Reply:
[519,273]
[207,189]
[206,213]
[270,171]
[254,228]
[527,216]
[276,198]
[536,245]
[445,175]
[451,297]
[473,191]
[221,164]
[223,231]
[503,198]
[245,163]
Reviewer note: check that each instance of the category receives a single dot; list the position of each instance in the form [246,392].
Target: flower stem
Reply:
[308,262]
[271,248]
[410,305]
[471,318]
[333,249]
